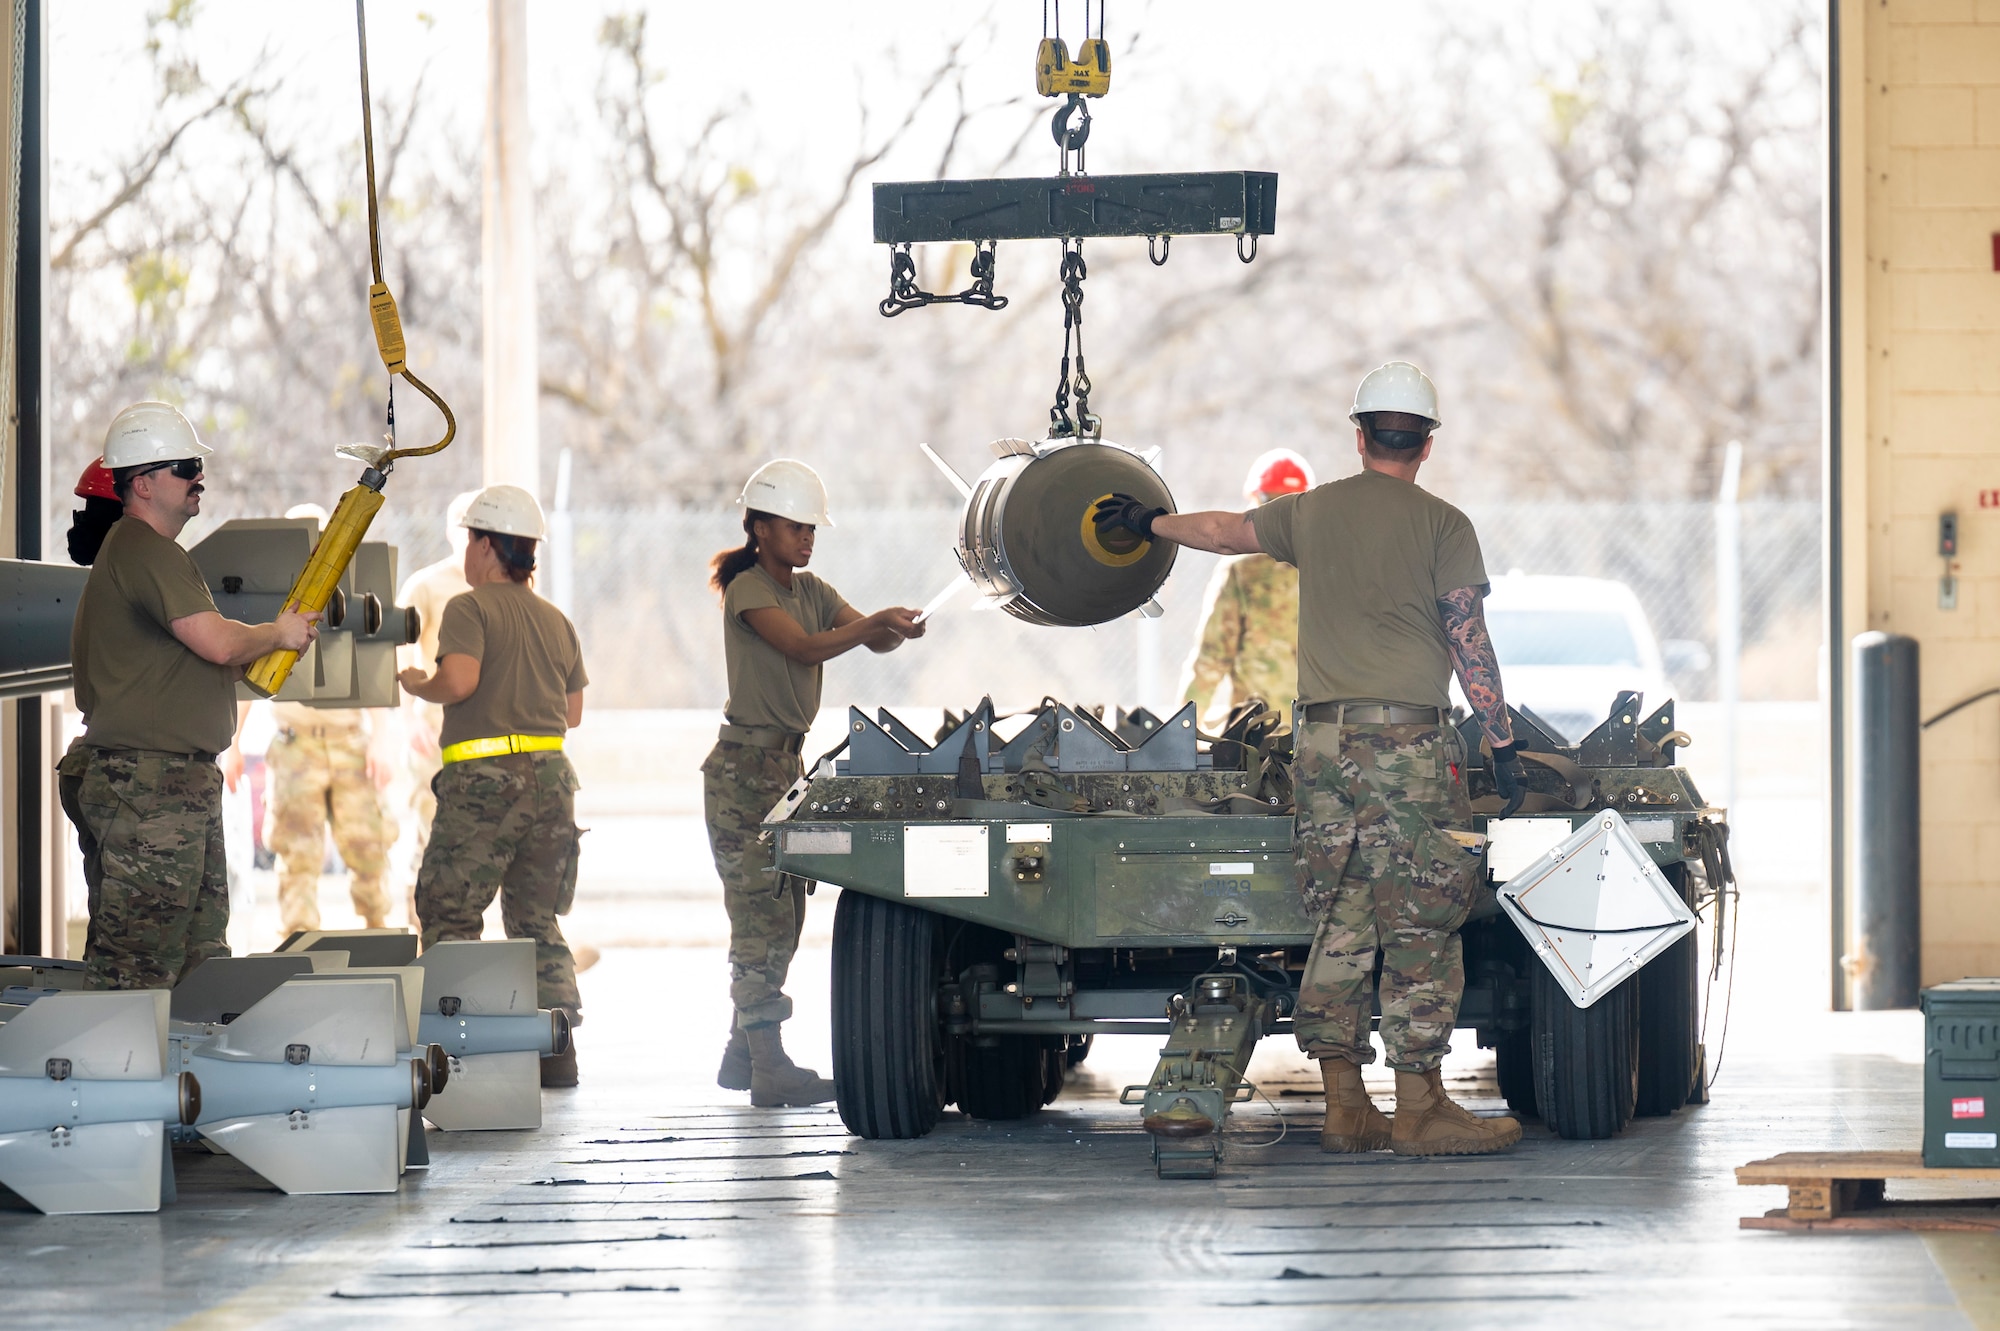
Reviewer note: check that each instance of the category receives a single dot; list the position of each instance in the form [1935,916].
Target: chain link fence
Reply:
[650,631]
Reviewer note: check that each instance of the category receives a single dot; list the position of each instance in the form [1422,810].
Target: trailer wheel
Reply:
[1079,1049]
[1669,1014]
[1004,1079]
[1055,1062]
[1514,1060]
[1586,1060]
[888,1051]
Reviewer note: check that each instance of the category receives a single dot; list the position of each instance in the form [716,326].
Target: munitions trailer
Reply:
[1026,883]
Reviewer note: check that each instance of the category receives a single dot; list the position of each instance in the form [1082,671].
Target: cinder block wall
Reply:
[1919,208]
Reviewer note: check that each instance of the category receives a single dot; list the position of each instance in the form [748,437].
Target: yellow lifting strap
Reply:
[315,584]
[498,745]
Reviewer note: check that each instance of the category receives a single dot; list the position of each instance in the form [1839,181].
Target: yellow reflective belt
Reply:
[499,744]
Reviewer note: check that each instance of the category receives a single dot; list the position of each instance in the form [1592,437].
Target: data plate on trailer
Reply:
[1595,908]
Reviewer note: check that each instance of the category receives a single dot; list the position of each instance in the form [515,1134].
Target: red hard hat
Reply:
[1278,472]
[95,483]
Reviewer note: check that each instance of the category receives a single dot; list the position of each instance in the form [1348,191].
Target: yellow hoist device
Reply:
[314,587]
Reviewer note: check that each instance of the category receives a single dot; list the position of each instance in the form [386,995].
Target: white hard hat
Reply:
[789,489]
[507,509]
[150,432]
[1397,386]
[313,511]
[454,513]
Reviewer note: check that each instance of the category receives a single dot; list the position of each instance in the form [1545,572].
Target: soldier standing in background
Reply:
[780,625]
[156,666]
[1250,623]
[1390,584]
[326,768]
[428,590]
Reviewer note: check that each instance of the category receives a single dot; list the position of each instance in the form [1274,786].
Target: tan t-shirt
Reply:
[1374,554]
[766,687]
[529,663]
[136,685]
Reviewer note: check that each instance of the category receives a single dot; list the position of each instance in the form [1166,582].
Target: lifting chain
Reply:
[905,294]
[1084,425]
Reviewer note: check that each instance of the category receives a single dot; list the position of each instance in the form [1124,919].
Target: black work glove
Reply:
[1507,777]
[1124,513]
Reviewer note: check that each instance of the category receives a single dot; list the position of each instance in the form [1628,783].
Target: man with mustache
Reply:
[156,666]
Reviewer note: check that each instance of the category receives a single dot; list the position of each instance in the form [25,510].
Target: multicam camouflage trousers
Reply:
[508,825]
[321,776]
[767,911]
[150,827]
[1382,876]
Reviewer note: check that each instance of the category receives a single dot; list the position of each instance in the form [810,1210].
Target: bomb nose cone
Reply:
[420,1083]
[190,1099]
[1028,530]
[558,1031]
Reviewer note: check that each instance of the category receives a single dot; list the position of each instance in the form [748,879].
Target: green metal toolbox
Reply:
[1962,1073]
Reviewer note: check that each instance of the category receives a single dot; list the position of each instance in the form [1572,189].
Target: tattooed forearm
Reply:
[1472,659]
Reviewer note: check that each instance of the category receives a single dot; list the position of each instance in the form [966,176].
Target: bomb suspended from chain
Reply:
[1026,538]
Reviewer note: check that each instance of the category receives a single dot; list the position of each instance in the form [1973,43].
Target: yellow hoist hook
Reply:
[315,585]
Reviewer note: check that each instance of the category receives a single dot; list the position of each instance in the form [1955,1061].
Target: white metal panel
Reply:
[1595,908]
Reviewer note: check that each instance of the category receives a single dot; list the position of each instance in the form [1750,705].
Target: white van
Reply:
[1567,646]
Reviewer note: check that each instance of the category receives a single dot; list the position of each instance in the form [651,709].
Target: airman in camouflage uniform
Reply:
[780,625]
[506,822]
[1391,584]
[1381,872]
[1249,638]
[1250,623]
[151,828]
[320,773]
[156,666]
[740,783]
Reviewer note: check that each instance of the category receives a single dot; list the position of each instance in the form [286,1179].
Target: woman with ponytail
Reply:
[90,524]
[510,678]
[780,625]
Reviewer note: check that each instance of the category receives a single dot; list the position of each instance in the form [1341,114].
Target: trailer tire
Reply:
[1586,1060]
[1005,1079]
[1079,1049]
[1669,1015]
[1514,1062]
[888,1050]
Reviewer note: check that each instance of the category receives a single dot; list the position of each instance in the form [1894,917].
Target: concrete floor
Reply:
[652,1196]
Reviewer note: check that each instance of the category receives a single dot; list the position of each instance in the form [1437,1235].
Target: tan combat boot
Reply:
[1353,1123]
[734,1074]
[774,1079]
[1428,1123]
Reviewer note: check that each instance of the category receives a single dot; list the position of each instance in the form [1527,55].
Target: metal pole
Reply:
[1729,610]
[1885,965]
[1834,489]
[30,457]
[511,368]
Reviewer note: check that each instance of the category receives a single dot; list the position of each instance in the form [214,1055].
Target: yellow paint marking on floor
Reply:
[1970,1264]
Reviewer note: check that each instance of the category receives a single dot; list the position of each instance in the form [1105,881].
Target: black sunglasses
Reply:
[188,469]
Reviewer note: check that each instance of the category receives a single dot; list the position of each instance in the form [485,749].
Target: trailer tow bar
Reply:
[1200,1075]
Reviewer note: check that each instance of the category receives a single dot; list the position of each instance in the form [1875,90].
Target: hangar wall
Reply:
[1919,414]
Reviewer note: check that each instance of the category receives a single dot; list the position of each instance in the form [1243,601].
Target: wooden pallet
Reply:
[1843,1190]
